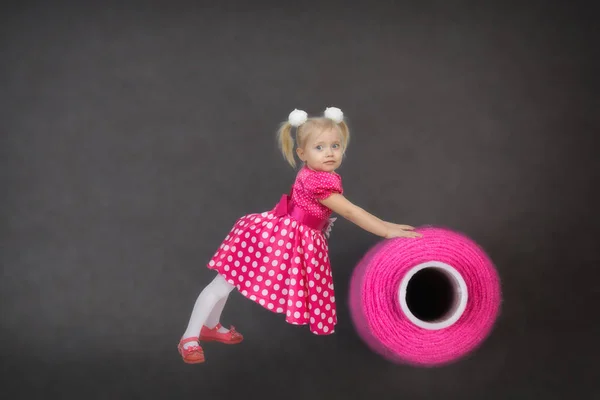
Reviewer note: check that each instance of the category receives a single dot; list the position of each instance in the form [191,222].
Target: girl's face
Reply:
[322,150]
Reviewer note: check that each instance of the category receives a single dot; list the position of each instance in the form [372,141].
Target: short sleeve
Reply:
[323,184]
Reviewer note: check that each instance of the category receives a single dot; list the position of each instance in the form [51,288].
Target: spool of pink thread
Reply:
[427,301]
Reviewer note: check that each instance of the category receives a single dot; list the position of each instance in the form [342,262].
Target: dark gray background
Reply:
[132,137]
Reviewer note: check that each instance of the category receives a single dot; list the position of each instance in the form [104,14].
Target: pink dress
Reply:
[279,258]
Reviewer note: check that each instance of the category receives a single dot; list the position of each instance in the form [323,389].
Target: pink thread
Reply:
[382,324]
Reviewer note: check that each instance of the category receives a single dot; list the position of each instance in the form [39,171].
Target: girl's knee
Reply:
[220,286]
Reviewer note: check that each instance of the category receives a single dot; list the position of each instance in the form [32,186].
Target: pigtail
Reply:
[286,142]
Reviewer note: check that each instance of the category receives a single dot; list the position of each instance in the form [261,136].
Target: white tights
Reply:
[208,308]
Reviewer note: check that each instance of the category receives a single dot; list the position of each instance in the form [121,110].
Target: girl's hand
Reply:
[398,230]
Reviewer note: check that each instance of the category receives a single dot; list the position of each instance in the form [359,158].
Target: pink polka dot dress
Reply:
[279,258]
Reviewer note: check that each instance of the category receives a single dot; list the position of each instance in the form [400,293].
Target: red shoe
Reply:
[213,335]
[191,354]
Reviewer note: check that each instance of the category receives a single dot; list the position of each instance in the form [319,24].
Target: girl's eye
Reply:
[335,146]
[319,147]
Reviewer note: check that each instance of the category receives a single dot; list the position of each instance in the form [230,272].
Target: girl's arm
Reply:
[343,207]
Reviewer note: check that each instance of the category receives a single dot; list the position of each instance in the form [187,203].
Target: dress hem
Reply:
[274,310]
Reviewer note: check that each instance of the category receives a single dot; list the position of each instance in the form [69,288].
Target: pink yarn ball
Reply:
[379,310]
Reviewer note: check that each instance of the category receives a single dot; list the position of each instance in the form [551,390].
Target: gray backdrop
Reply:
[132,138]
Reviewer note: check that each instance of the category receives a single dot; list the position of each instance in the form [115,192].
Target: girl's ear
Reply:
[300,153]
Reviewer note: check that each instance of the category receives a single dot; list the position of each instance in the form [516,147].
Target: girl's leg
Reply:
[215,315]
[215,291]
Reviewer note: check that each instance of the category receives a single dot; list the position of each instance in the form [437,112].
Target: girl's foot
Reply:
[220,334]
[190,351]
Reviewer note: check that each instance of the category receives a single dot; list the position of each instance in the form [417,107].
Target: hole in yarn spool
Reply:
[429,294]
[433,295]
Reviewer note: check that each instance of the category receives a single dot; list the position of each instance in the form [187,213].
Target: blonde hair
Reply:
[303,132]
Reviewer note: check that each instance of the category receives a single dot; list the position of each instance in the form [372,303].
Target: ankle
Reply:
[221,329]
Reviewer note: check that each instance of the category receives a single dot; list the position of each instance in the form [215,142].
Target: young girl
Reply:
[279,258]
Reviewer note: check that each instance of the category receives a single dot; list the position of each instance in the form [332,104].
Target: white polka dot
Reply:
[256,288]
[263,269]
[296,314]
[295,271]
[268,282]
[265,292]
[325,329]
[270,306]
[320,325]
[298,304]
[300,292]
[279,310]
[262,302]
[313,297]
[276,286]
[273,296]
